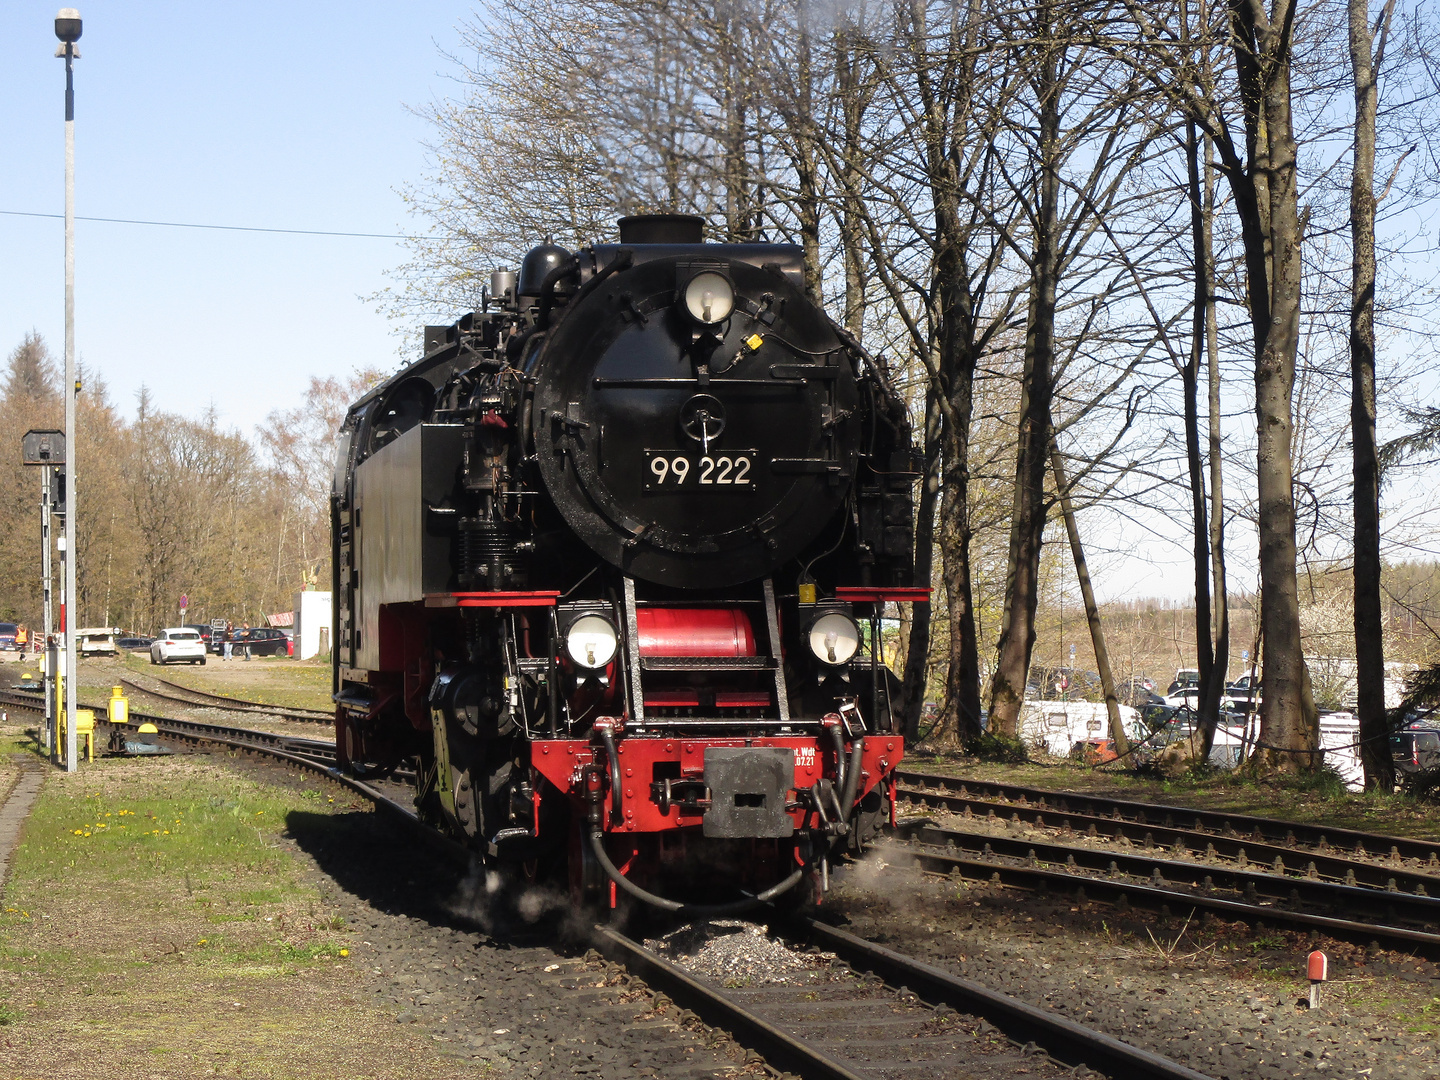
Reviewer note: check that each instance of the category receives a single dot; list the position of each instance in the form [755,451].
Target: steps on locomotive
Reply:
[745,676]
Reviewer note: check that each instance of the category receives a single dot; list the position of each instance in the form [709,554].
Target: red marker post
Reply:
[1318,969]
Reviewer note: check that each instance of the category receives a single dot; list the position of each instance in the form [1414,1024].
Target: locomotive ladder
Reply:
[771,663]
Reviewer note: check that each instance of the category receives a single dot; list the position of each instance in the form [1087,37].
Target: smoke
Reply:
[504,905]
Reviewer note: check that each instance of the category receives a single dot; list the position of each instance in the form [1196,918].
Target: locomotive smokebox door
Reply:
[748,786]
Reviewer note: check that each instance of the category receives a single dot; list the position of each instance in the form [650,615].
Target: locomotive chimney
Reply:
[662,229]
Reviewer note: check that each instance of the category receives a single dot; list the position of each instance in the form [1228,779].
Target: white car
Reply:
[177,645]
[97,641]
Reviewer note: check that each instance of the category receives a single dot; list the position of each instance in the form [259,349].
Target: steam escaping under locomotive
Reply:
[609,565]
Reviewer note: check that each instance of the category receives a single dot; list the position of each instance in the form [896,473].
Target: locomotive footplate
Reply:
[748,786]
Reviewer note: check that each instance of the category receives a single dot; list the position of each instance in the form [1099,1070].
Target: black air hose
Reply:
[612,757]
[837,740]
[699,911]
[852,775]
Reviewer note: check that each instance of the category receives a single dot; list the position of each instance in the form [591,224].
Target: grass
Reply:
[1318,800]
[271,680]
[150,897]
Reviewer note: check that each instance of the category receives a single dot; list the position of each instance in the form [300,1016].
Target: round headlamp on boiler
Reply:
[708,298]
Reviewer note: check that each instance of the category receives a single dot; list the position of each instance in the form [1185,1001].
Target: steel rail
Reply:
[220,701]
[1267,830]
[321,750]
[1281,859]
[1062,1038]
[1385,906]
[779,1048]
[1156,898]
[713,1006]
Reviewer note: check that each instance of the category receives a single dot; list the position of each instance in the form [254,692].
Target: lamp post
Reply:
[67,29]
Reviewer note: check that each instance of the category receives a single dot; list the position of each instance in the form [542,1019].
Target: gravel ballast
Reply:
[1217,997]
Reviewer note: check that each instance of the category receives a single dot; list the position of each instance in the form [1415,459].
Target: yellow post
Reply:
[119,708]
[85,729]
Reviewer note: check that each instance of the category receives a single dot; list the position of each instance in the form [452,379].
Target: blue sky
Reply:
[259,114]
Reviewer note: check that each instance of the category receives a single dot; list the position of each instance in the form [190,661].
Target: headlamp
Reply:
[834,638]
[709,298]
[591,641]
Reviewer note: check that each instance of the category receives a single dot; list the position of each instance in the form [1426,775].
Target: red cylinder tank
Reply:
[695,632]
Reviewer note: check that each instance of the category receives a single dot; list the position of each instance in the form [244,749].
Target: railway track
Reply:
[208,700]
[886,1012]
[1174,887]
[1146,815]
[1289,848]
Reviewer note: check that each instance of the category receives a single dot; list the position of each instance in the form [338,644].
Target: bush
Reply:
[1422,786]
[999,748]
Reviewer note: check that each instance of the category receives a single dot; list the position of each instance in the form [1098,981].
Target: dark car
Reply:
[135,644]
[9,636]
[261,641]
[207,635]
[1138,692]
[1416,749]
[1244,693]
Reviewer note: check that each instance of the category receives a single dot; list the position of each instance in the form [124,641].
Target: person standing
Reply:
[245,637]
[227,639]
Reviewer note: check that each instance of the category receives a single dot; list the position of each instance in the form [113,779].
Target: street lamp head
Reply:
[67,25]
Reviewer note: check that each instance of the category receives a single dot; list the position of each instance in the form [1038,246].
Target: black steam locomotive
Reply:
[609,565]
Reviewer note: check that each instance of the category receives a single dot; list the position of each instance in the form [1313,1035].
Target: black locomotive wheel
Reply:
[480,774]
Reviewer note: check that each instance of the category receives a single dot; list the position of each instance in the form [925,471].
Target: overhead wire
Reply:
[196,225]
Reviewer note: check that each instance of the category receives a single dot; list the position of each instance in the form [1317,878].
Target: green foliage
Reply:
[999,748]
[1422,786]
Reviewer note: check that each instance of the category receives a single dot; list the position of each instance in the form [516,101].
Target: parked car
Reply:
[9,637]
[178,645]
[1416,749]
[96,641]
[134,643]
[207,636]
[262,641]
[1244,693]
[1138,692]
[1185,690]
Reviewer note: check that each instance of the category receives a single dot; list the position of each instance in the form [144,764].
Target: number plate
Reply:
[667,471]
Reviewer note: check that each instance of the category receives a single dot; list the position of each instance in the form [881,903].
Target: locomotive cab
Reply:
[610,561]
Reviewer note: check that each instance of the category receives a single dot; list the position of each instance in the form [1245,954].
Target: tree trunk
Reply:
[917,649]
[1027,525]
[1267,198]
[1208,701]
[961,711]
[1092,611]
[1217,487]
[1369,619]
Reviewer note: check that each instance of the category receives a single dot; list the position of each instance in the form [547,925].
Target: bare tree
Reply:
[1365,59]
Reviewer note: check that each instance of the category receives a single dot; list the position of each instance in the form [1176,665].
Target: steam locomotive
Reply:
[609,566]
